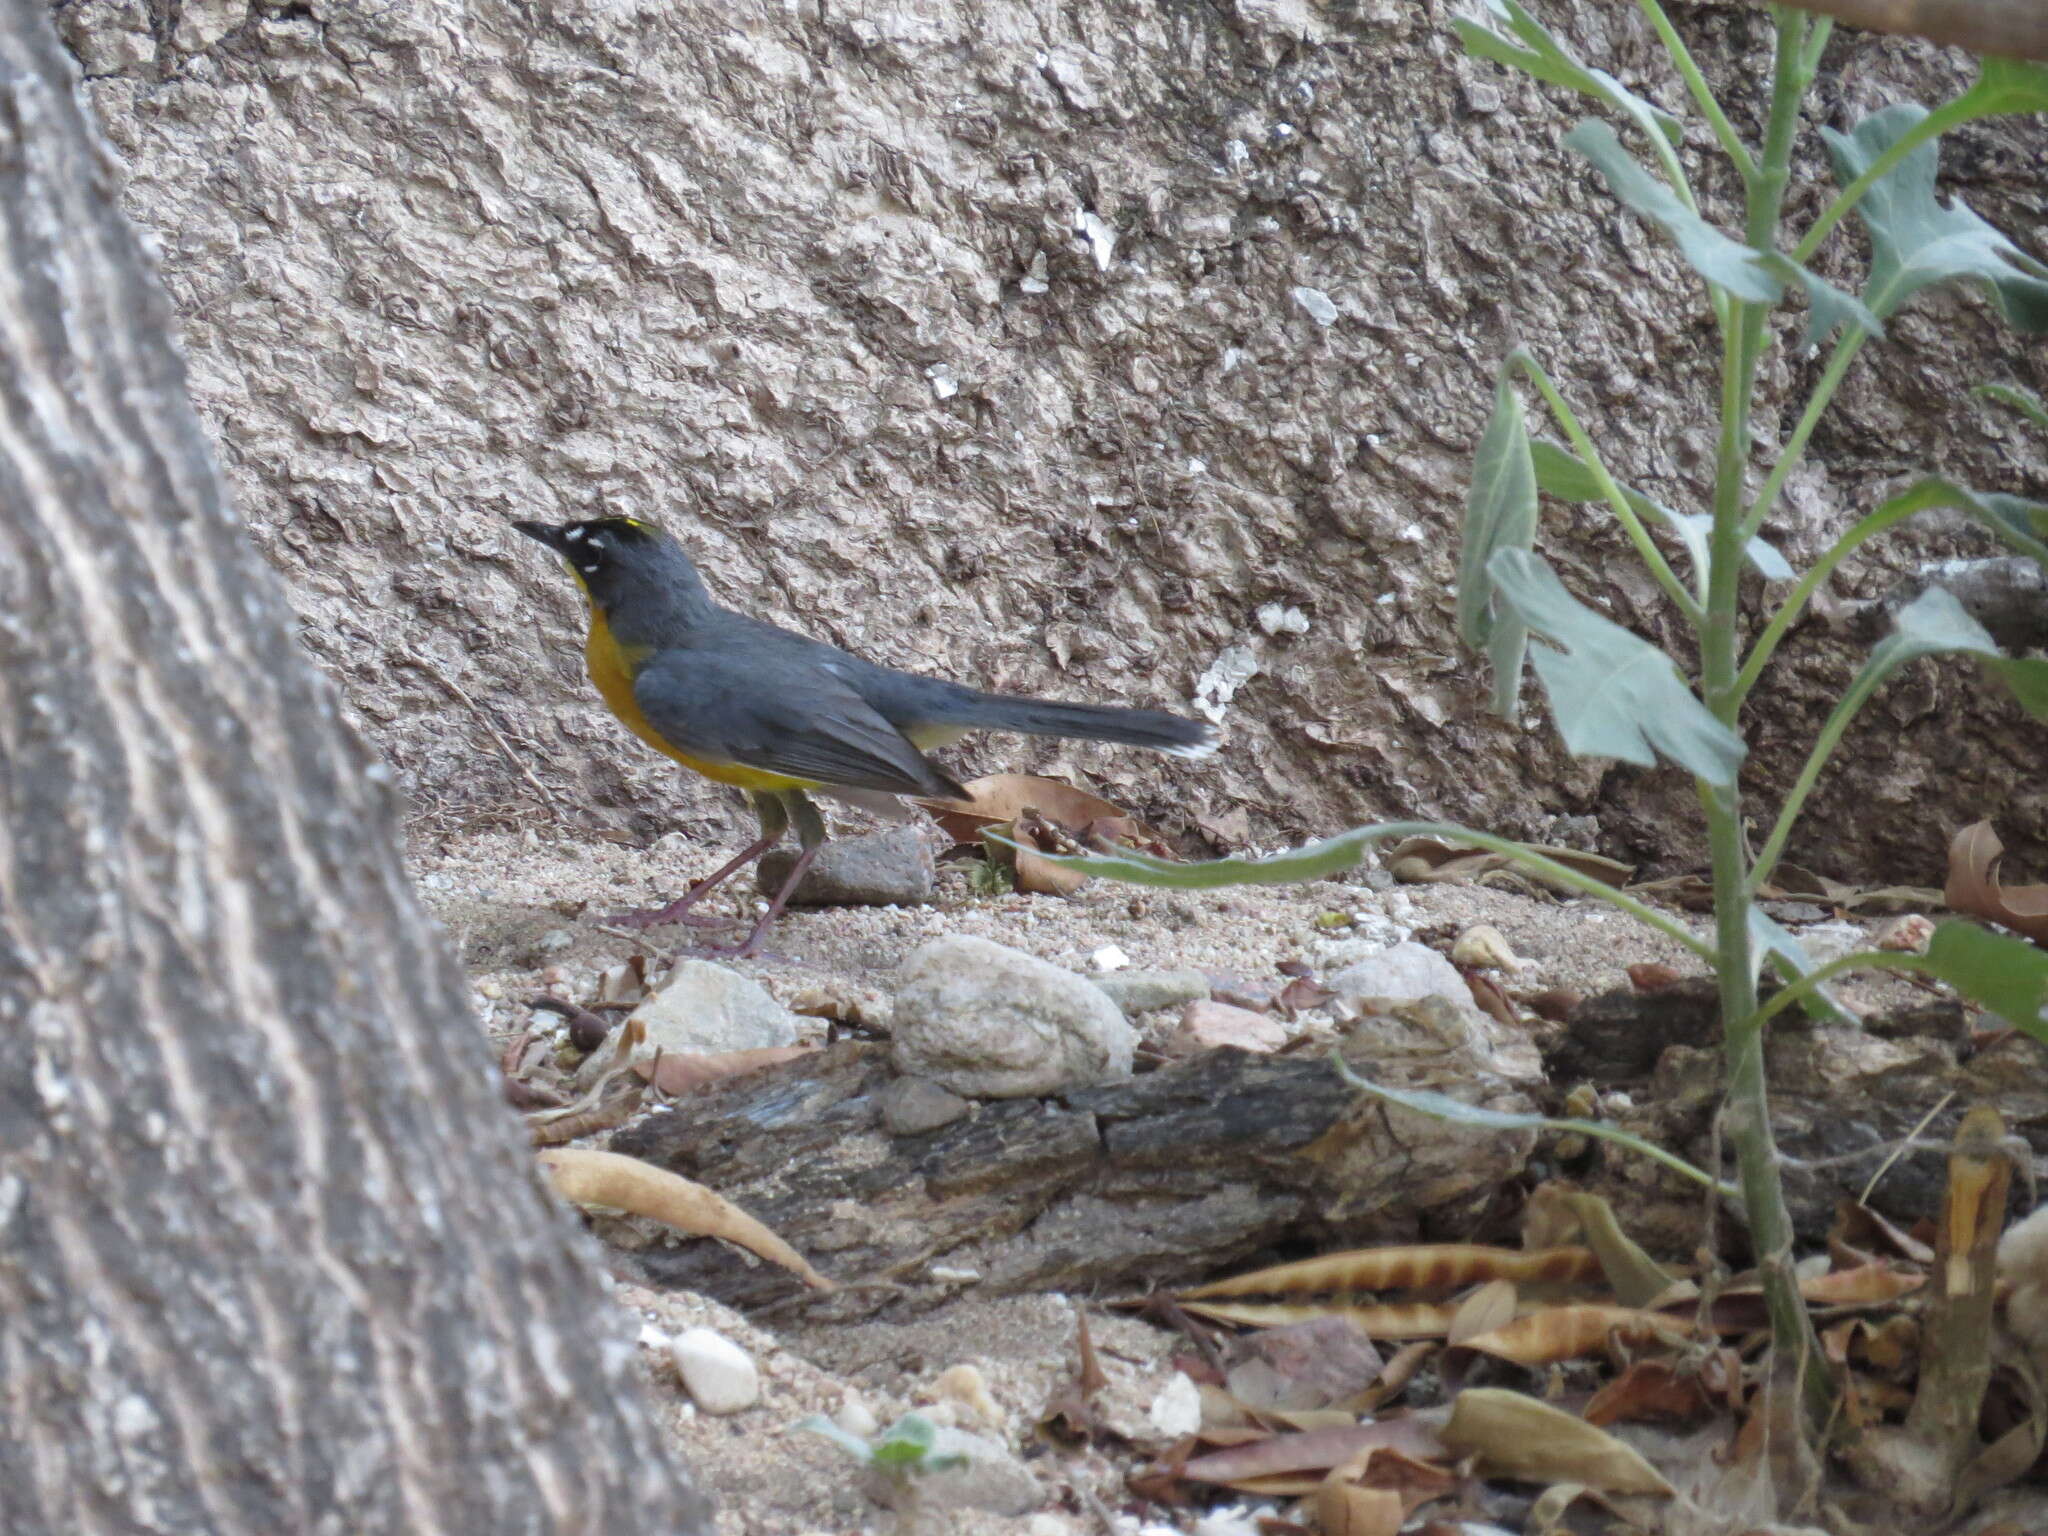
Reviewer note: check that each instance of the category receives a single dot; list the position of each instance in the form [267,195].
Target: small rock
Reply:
[1401,974]
[964,1384]
[1177,1410]
[1109,958]
[856,1417]
[1142,991]
[554,941]
[892,867]
[1654,976]
[1908,932]
[1483,946]
[720,1376]
[991,1022]
[706,1007]
[1258,996]
[987,1478]
[1206,1026]
[913,1105]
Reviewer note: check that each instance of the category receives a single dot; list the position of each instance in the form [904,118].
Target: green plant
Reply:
[902,1452]
[1613,694]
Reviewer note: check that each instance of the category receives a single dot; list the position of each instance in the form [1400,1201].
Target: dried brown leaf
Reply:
[1973,885]
[1487,1309]
[1514,1435]
[1440,1267]
[1867,1285]
[1312,1452]
[1319,1364]
[1569,1333]
[1345,1509]
[1427,859]
[585,1177]
[1649,1389]
[1393,1320]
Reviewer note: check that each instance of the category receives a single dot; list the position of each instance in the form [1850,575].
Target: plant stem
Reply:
[1748,1113]
[1638,535]
[1703,97]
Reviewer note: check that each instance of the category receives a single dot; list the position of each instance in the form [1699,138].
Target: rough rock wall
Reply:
[1060,348]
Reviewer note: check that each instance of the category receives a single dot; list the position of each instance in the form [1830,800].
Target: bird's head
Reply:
[632,571]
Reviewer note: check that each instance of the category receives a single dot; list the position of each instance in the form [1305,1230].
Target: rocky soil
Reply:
[526,908]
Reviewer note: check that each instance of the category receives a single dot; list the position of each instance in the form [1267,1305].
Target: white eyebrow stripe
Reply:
[572,534]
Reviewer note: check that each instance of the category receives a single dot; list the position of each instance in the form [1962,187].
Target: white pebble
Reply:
[720,1376]
[1109,958]
[856,1417]
[1177,1410]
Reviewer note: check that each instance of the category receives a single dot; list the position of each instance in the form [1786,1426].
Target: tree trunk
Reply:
[272,1257]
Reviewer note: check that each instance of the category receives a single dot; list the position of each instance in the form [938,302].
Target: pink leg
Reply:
[678,911]
[751,945]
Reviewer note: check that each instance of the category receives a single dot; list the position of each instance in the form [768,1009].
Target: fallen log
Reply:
[1169,1177]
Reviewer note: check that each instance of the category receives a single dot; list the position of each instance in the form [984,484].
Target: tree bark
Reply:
[272,1256]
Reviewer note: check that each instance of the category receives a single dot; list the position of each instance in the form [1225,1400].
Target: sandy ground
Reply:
[525,910]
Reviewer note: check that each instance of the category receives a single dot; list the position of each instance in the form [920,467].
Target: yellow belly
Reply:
[611,668]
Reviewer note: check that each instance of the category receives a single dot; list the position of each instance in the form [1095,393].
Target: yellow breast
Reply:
[612,667]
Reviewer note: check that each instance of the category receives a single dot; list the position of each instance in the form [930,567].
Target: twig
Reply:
[547,800]
[1899,1151]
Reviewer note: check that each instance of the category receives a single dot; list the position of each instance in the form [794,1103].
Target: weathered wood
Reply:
[1167,1177]
[273,1256]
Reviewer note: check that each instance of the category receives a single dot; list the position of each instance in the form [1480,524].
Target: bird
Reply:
[781,716]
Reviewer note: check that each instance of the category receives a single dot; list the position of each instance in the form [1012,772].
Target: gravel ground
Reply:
[525,910]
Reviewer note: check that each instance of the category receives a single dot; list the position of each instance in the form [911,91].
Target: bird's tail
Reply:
[1093,722]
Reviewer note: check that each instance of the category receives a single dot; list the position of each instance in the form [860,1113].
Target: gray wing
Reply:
[782,715]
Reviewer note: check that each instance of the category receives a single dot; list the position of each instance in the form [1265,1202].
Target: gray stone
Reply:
[892,867]
[987,1477]
[1401,974]
[704,1007]
[914,1105]
[1143,991]
[990,1022]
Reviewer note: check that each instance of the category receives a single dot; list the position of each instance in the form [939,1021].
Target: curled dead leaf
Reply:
[1973,885]
[586,1177]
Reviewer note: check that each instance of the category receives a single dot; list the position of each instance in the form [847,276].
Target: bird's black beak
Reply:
[544,533]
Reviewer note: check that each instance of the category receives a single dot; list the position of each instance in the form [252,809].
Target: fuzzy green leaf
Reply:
[2020,399]
[1915,241]
[1935,624]
[1720,260]
[1563,474]
[2009,976]
[1520,41]
[1500,513]
[1612,693]
[2004,86]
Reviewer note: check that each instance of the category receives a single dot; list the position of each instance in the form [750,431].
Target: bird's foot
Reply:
[677,911]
